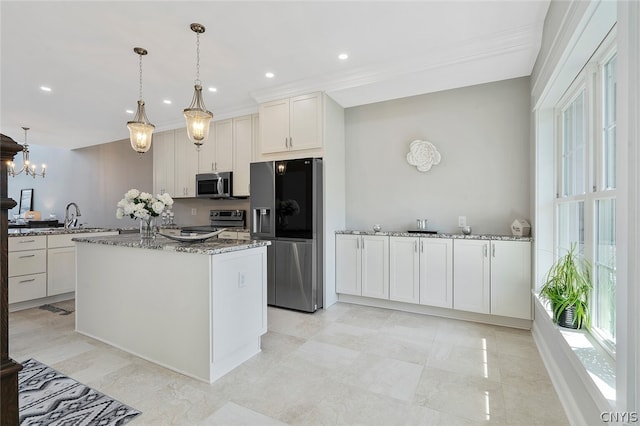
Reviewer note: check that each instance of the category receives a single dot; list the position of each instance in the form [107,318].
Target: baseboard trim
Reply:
[435,311]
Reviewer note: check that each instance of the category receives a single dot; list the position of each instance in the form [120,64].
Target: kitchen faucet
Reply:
[71,220]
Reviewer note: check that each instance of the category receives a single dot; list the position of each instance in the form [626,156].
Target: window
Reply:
[586,198]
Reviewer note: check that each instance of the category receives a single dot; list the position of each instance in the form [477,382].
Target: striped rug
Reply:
[48,397]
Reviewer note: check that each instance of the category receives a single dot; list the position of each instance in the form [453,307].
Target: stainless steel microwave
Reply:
[214,185]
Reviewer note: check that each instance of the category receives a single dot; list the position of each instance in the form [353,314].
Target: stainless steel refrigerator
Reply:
[286,208]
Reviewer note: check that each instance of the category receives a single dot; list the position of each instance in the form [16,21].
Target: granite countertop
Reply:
[494,237]
[209,247]
[22,232]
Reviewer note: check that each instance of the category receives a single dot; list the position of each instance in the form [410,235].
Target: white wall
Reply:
[482,133]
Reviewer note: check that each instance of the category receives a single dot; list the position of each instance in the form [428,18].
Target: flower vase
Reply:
[147,230]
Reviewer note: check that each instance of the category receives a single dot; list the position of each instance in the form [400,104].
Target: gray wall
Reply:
[482,133]
[95,178]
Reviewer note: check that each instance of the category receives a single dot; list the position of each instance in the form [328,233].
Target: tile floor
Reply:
[346,365]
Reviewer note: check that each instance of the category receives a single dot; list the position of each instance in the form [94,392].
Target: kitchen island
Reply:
[196,308]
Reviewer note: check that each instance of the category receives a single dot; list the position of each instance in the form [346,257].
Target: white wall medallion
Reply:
[423,155]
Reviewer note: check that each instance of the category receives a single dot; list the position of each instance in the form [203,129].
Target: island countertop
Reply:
[208,247]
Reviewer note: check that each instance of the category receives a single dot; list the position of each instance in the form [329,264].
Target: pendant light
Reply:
[198,118]
[140,129]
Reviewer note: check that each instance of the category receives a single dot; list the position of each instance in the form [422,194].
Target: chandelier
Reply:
[140,129]
[28,168]
[198,118]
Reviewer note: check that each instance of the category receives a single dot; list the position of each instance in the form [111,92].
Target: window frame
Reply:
[591,80]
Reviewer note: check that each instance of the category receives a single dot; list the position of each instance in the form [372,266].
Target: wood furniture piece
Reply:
[8,367]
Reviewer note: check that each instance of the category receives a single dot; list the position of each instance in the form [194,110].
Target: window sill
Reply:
[597,363]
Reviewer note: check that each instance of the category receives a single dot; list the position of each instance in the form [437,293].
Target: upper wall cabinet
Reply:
[163,163]
[292,124]
[243,137]
[216,154]
[186,165]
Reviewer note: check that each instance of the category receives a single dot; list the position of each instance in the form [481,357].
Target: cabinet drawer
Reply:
[62,240]
[27,262]
[27,243]
[228,235]
[244,235]
[27,287]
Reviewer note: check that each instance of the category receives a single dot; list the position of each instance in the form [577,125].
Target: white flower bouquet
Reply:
[142,205]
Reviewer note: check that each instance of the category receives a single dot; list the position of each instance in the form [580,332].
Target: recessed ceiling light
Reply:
[45,88]
[269,75]
[129,111]
[343,56]
[167,101]
[213,89]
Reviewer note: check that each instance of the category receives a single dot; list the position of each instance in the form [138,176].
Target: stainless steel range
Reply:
[219,219]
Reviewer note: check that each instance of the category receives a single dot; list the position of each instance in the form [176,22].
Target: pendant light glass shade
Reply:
[140,130]
[198,118]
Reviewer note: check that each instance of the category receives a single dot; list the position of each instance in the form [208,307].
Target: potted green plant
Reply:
[567,288]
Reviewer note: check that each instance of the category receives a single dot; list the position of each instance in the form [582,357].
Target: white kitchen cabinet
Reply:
[493,277]
[163,163]
[292,124]
[348,264]
[27,264]
[436,272]
[243,136]
[186,165]
[216,154]
[472,276]
[511,279]
[421,271]
[61,270]
[404,269]
[362,265]
[61,261]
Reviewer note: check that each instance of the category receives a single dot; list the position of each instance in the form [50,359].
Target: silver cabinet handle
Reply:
[286,142]
[415,246]
[27,255]
[421,246]
[362,243]
[484,250]
[358,243]
[27,281]
[291,142]
[26,241]
[493,250]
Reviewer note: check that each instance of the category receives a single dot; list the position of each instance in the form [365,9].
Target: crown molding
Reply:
[524,39]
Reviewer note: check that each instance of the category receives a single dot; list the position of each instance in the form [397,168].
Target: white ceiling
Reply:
[84,52]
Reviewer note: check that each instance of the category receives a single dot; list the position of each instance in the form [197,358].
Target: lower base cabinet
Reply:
[362,265]
[421,271]
[42,266]
[61,270]
[493,277]
[511,279]
[483,276]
